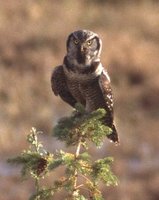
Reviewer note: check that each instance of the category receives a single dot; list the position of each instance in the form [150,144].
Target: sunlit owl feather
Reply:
[82,78]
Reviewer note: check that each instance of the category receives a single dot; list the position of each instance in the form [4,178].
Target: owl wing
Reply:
[59,86]
[104,82]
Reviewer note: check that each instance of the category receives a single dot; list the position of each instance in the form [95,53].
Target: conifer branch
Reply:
[75,130]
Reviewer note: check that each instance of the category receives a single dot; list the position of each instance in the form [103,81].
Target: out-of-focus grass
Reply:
[33,35]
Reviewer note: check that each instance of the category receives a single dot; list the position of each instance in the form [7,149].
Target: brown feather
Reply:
[59,86]
[104,82]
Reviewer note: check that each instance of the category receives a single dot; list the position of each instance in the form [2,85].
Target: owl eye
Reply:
[89,42]
[75,41]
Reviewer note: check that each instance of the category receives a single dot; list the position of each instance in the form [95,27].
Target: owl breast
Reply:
[77,93]
[88,94]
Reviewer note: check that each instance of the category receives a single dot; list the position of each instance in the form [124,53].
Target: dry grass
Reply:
[33,35]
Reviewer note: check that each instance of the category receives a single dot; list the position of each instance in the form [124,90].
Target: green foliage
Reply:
[83,125]
[101,171]
[81,172]
[35,160]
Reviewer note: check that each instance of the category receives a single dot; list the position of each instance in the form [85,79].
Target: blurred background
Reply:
[32,42]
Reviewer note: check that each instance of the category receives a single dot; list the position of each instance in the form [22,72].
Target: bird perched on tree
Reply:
[82,78]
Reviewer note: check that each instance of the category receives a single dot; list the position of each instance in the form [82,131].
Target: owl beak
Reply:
[83,49]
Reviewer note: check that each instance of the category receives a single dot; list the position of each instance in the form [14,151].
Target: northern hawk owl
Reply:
[82,78]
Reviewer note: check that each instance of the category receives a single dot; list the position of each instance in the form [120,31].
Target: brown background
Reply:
[32,43]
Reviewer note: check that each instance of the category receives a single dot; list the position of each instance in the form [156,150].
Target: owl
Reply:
[82,77]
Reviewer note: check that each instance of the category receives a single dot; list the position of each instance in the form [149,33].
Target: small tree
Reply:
[81,172]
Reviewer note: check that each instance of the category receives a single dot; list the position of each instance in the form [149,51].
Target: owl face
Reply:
[84,47]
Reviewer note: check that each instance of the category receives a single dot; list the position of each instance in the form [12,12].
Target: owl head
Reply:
[84,47]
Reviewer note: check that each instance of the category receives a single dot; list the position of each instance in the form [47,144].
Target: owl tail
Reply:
[114,135]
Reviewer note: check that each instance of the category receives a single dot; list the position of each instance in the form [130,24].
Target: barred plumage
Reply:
[82,77]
